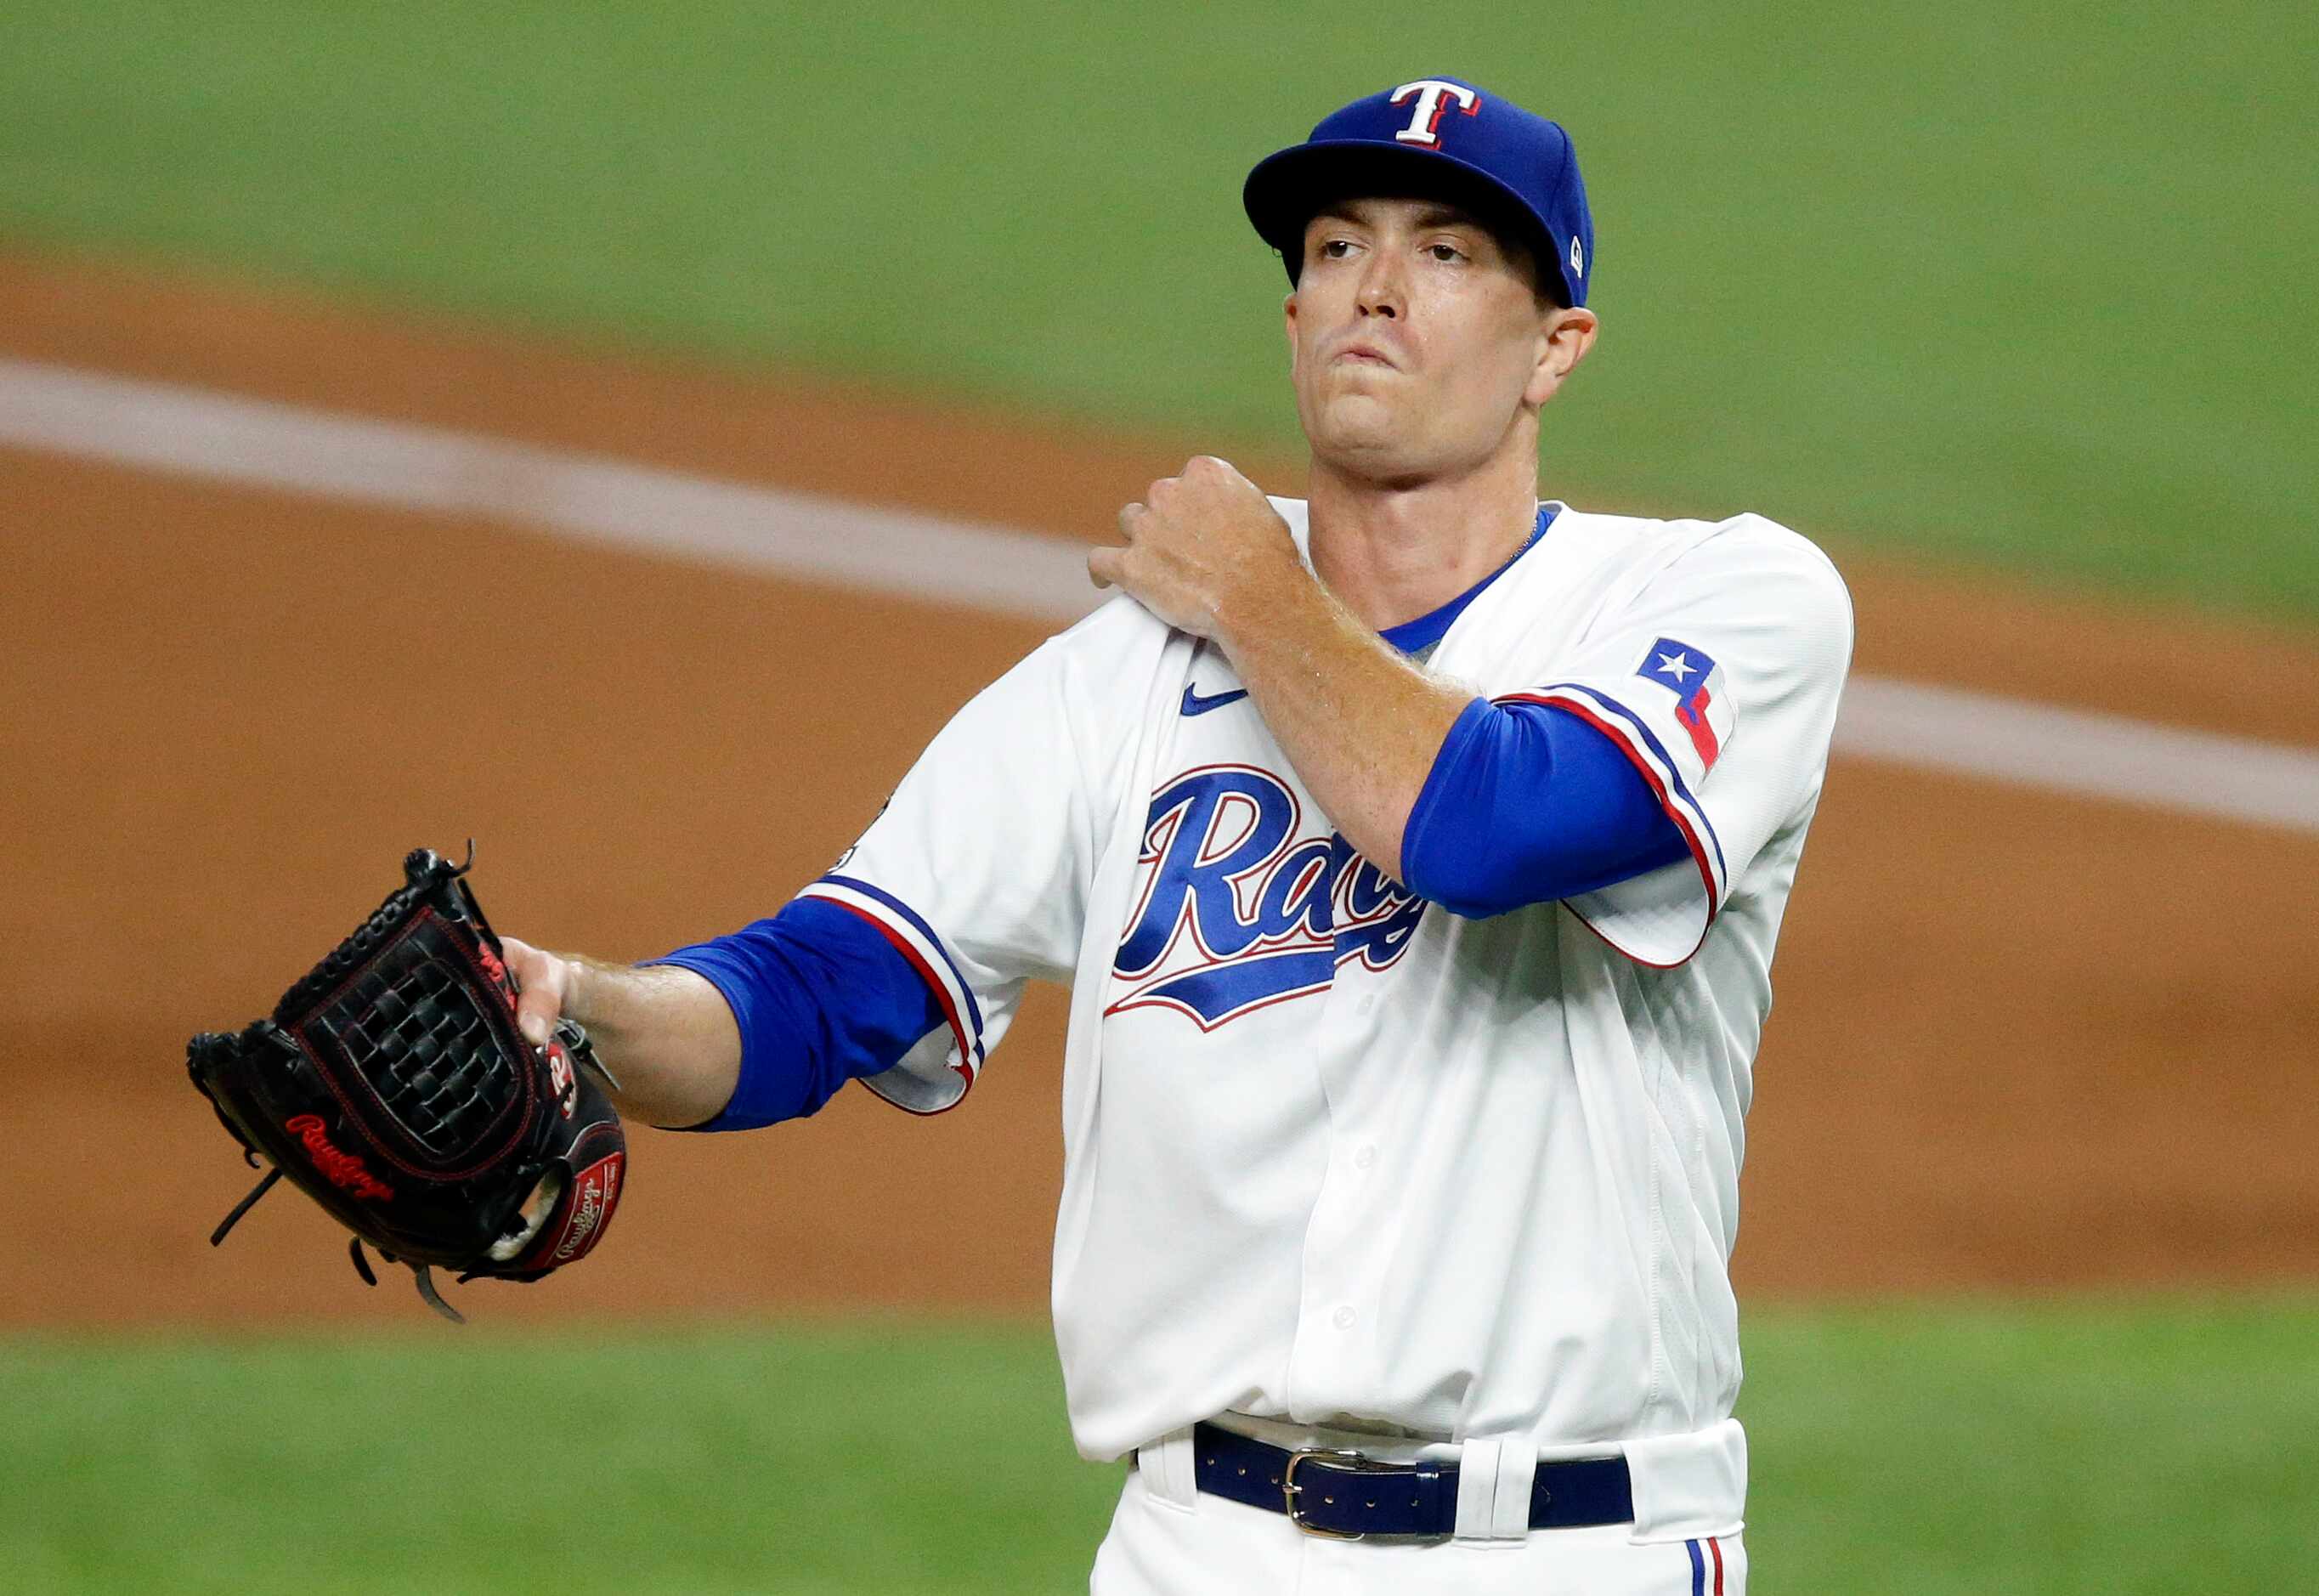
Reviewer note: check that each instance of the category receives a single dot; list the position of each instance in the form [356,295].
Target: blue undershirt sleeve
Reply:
[820,996]
[1526,803]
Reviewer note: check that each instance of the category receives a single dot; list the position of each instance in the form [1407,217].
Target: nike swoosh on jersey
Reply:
[1196,705]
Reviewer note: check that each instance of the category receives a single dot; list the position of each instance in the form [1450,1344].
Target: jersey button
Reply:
[1342,1318]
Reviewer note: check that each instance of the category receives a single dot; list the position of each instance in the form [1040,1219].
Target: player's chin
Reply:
[1355,418]
[1379,439]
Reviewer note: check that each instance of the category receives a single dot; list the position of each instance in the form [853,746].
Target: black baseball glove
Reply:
[392,1086]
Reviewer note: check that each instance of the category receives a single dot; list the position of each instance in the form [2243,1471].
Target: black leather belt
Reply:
[1346,1497]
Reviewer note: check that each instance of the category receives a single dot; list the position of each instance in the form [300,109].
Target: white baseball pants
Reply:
[1197,1545]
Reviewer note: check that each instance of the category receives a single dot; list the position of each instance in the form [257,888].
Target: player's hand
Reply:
[544,984]
[1204,550]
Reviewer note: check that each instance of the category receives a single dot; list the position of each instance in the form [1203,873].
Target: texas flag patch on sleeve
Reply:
[1703,707]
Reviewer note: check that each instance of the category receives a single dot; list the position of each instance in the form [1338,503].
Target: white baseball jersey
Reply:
[1335,1155]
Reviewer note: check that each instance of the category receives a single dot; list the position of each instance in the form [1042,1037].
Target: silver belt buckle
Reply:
[1290,1490]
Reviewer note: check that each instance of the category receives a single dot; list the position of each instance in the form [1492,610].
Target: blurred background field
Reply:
[2012,294]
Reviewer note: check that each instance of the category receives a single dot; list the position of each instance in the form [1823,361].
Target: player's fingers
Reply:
[1130,514]
[1214,475]
[542,982]
[1103,566]
[1230,475]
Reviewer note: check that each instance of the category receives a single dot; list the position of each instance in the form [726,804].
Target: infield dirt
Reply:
[2021,1042]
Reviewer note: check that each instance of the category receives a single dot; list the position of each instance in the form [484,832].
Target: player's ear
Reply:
[1564,336]
[1288,319]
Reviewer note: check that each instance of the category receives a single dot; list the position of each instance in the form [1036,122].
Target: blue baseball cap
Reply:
[1438,137]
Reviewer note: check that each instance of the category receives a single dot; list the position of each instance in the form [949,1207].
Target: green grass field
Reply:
[2019,285]
[2108,1446]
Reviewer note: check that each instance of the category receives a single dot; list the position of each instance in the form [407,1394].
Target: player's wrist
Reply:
[575,983]
[579,995]
[1273,609]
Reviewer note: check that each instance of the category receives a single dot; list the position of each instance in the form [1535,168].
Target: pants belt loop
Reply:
[1167,1470]
[1494,1478]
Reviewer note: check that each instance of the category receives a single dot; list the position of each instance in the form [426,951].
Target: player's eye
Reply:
[1336,248]
[1445,253]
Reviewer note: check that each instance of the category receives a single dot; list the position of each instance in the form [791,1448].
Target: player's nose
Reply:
[1380,291]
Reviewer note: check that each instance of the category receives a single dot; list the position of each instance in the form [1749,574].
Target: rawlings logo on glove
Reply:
[392,1086]
[599,1191]
[341,1169]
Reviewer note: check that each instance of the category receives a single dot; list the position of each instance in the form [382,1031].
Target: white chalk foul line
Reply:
[260,444]
[2079,751]
[223,438]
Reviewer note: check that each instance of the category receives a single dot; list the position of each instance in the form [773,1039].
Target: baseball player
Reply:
[1414,854]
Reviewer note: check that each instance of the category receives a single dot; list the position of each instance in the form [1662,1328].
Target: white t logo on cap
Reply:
[1424,126]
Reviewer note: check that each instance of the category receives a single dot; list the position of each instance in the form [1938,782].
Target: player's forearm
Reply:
[665,1034]
[1361,723]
